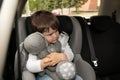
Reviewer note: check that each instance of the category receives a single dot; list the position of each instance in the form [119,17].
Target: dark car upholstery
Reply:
[105,36]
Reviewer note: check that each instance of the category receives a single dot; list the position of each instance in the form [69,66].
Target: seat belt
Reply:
[91,47]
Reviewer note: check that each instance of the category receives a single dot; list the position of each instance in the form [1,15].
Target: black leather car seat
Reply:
[106,41]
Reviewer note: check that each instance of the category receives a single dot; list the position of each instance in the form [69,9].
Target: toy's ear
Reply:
[35,43]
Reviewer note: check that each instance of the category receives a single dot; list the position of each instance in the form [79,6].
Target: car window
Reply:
[86,8]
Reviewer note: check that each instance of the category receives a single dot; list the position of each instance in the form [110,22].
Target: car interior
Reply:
[73,29]
[95,42]
[103,30]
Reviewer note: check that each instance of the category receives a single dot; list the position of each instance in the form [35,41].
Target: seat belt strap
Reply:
[91,47]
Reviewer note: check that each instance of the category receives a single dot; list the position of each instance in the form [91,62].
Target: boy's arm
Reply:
[63,38]
[68,51]
[34,65]
[67,54]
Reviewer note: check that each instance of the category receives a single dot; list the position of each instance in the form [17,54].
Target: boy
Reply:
[47,24]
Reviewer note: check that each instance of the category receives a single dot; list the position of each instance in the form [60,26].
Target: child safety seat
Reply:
[72,27]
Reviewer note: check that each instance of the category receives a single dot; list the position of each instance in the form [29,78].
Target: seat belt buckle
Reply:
[95,63]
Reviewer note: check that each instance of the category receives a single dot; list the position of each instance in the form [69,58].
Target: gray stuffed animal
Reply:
[36,44]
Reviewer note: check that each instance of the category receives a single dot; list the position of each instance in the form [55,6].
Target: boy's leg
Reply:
[26,75]
[45,77]
[78,77]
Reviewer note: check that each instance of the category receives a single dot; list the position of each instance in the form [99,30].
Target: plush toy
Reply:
[37,45]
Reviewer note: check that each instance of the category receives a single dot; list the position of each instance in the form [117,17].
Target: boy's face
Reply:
[51,36]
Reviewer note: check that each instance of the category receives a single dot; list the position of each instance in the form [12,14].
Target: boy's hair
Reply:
[43,20]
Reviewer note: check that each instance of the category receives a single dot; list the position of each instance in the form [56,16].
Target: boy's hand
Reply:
[56,58]
[45,62]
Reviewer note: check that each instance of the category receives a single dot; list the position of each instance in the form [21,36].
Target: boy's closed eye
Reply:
[50,34]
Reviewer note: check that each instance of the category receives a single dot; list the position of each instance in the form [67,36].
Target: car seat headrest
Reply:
[65,24]
[28,25]
[101,23]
